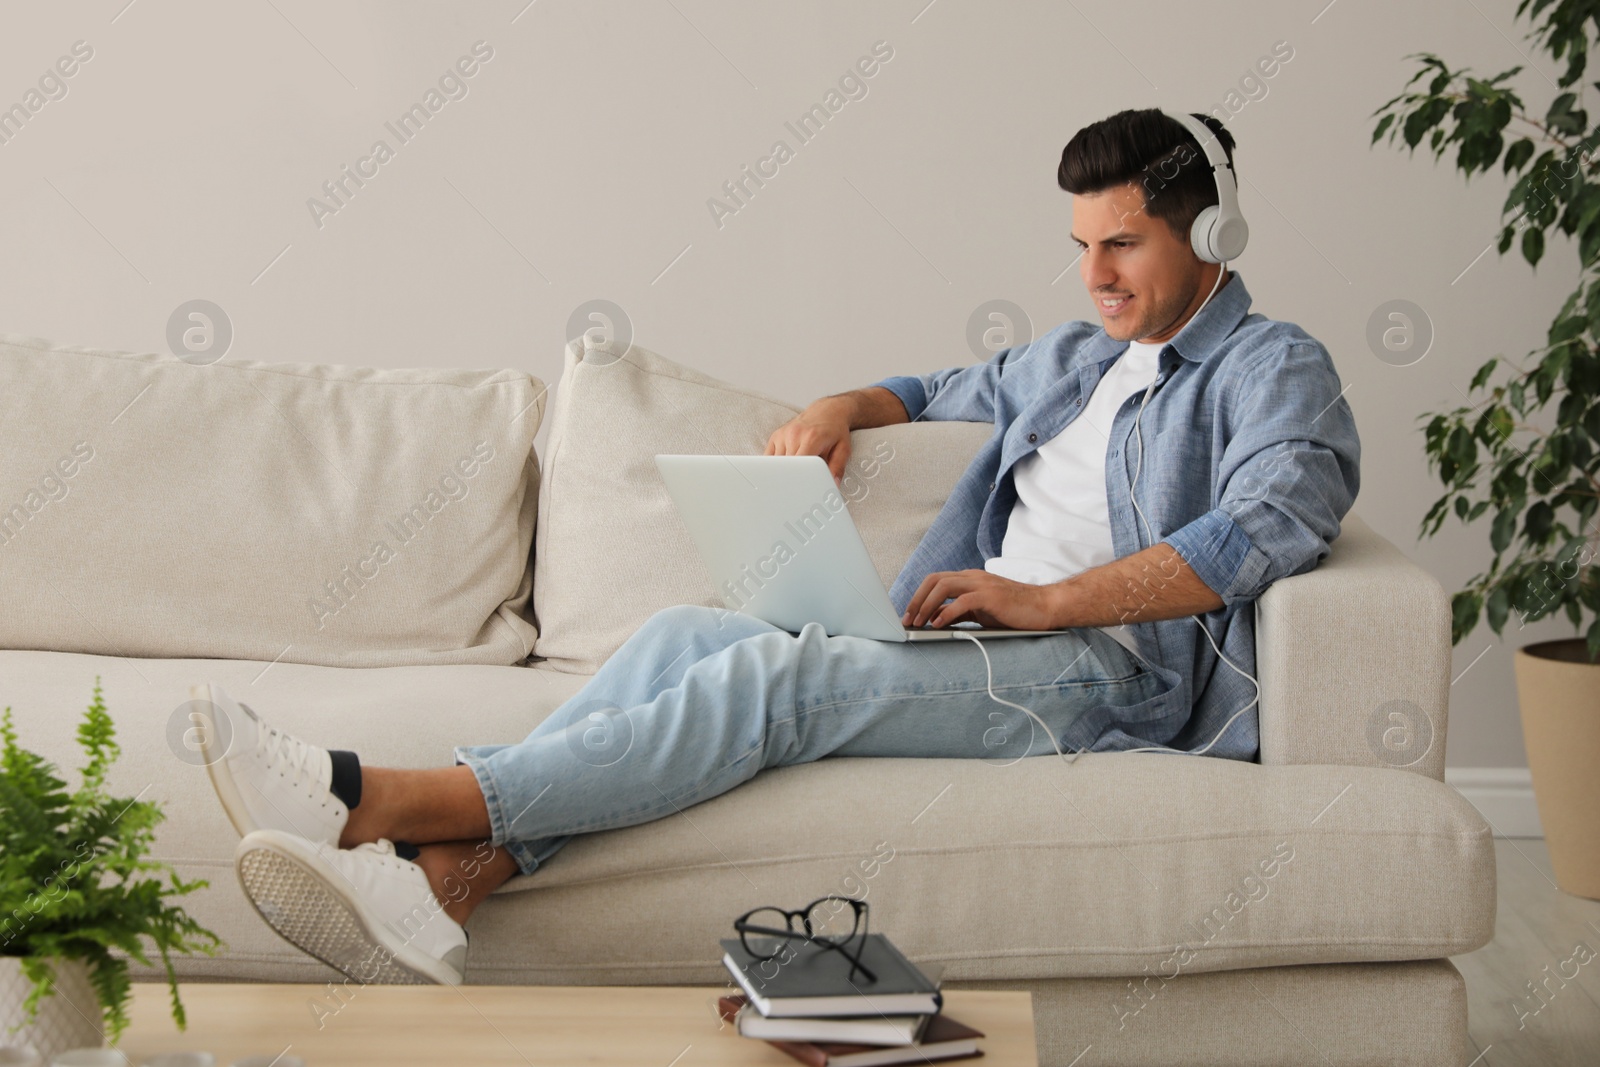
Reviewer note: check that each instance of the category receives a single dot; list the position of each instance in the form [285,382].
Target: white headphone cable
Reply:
[988,683]
[1134,497]
[989,666]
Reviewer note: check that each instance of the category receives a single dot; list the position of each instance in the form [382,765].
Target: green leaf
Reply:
[1464,608]
[1532,245]
[1428,60]
[1390,103]
[1483,375]
[1417,124]
[1570,410]
[1463,449]
[1505,526]
[1592,309]
[1584,374]
[1439,511]
[1526,596]
[1543,383]
[1498,607]
[1589,241]
[1585,206]
[1517,155]
[1565,116]
[1564,330]
[1539,520]
[1388,120]
[1502,422]
[1500,112]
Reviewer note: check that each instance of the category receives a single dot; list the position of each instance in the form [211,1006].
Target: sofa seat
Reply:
[1115,865]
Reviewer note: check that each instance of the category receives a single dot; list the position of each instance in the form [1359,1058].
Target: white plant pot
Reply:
[68,1018]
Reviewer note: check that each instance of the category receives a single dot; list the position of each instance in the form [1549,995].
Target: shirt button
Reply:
[1032,437]
[991,487]
[1077,403]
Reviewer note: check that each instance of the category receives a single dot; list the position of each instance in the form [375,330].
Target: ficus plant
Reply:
[1540,484]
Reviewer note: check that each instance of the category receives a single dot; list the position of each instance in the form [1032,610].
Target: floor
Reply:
[1521,1014]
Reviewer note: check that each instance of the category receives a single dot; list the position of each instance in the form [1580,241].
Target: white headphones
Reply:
[1219,233]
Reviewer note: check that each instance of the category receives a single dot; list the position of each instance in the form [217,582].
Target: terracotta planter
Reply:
[1559,693]
[68,1018]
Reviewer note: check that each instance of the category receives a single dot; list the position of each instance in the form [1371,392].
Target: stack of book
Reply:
[806,1003]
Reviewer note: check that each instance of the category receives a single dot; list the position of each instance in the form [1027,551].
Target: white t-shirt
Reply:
[1060,524]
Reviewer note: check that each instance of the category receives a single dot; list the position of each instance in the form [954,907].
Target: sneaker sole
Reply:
[313,910]
[216,759]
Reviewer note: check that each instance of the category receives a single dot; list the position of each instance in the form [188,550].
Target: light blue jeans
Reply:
[700,699]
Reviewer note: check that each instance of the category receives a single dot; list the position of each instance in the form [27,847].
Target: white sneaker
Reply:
[266,779]
[364,911]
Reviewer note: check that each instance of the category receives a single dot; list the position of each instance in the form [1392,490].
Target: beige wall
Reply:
[579,164]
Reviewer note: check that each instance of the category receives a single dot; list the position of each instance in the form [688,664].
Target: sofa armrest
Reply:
[1354,660]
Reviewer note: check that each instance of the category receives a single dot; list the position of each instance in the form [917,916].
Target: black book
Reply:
[808,980]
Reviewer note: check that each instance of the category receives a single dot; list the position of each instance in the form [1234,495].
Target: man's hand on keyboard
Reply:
[985,598]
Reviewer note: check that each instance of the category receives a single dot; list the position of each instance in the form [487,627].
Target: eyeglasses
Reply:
[822,922]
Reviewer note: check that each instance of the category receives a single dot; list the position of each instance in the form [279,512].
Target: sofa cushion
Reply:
[1132,864]
[335,515]
[612,550]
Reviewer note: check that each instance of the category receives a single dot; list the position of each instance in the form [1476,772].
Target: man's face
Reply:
[1144,281]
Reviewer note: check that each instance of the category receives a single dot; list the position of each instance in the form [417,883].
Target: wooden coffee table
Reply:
[382,1026]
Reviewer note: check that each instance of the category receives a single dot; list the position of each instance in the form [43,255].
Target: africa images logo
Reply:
[852,85]
[341,189]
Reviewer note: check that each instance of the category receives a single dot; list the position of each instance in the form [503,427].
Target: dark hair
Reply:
[1153,151]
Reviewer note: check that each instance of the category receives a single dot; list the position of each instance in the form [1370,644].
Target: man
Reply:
[1137,494]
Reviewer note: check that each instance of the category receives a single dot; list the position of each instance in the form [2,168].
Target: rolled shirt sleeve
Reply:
[956,394]
[1288,475]
[911,391]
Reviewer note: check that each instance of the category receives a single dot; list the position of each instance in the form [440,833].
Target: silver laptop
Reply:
[777,538]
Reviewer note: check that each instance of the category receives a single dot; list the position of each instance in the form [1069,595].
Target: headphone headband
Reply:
[1219,233]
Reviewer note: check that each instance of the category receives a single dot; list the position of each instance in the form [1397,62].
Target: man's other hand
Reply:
[822,429]
[985,598]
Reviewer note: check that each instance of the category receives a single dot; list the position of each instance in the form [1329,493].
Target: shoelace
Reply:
[282,750]
[384,849]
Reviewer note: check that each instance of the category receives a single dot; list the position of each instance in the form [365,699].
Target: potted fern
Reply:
[79,896]
[1543,484]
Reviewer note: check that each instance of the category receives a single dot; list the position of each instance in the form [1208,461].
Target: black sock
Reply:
[407,851]
[346,784]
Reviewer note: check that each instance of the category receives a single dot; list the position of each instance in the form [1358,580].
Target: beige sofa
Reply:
[1161,909]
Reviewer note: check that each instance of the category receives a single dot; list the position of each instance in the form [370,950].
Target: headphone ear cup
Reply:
[1229,237]
[1200,234]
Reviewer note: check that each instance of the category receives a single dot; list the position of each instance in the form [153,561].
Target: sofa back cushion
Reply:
[342,516]
[612,550]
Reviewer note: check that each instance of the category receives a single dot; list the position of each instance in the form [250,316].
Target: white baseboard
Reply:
[1504,796]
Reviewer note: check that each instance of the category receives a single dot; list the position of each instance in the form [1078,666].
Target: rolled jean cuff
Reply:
[472,758]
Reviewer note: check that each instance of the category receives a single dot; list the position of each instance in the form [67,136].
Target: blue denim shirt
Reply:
[1251,460]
